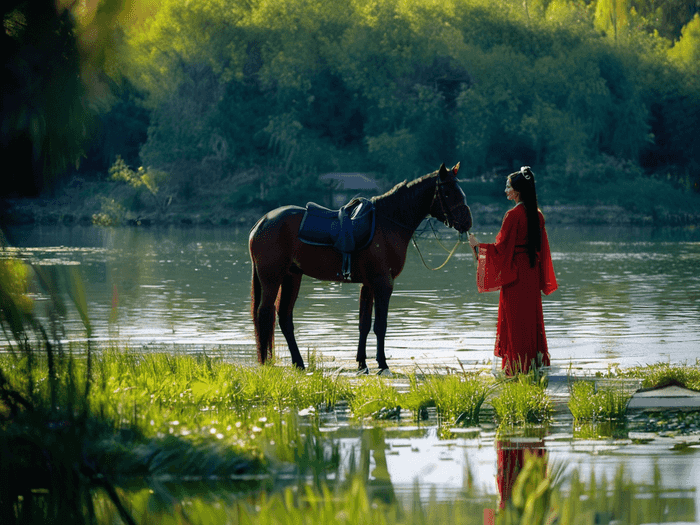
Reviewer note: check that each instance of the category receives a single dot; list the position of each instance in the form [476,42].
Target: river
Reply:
[627,296]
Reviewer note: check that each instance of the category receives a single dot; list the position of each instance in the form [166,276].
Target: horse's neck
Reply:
[408,205]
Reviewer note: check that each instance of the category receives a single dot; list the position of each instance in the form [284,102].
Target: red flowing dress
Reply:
[505,266]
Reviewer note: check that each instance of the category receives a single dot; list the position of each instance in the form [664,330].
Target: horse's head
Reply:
[449,203]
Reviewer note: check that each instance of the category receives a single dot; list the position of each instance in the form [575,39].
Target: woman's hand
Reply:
[473,242]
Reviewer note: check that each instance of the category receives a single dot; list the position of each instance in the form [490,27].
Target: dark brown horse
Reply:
[280,259]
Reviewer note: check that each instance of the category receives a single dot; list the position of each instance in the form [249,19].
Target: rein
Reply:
[437,196]
[449,256]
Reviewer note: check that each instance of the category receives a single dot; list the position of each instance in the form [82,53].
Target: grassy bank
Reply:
[193,439]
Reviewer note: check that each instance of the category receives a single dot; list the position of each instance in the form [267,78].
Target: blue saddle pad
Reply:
[348,229]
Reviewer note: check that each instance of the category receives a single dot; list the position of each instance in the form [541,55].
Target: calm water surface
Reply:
[627,296]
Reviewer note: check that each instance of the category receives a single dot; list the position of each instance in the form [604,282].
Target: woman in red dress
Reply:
[519,264]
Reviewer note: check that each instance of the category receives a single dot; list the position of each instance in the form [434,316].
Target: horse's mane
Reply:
[401,203]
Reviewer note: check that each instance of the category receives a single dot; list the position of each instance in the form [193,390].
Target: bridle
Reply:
[446,209]
[448,215]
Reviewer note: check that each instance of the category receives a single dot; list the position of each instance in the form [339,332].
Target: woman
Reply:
[518,264]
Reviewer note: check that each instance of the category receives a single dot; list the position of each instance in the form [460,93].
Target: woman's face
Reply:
[511,194]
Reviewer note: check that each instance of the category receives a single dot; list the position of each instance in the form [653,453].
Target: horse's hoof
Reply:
[385,372]
[363,371]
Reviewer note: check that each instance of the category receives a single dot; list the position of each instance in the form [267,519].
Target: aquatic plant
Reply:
[521,400]
[47,470]
[588,402]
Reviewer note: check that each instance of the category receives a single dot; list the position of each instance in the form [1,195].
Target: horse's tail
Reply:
[263,322]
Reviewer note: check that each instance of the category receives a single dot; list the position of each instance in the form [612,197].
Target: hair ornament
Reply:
[526,172]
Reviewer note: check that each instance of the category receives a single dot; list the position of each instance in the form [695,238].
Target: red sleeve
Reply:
[548,281]
[496,261]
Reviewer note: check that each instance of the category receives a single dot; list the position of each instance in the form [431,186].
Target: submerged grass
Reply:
[537,500]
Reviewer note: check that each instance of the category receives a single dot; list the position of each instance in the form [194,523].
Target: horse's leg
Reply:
[366,303]
[264,295]
[382,294]
[290,291]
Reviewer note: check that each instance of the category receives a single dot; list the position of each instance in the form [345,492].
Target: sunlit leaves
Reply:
[15,304]
[686,51]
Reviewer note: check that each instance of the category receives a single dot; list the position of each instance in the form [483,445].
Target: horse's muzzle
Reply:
[462,219]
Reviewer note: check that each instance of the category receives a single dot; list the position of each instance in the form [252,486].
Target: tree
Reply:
[686,51]
[55,55]
[612,16]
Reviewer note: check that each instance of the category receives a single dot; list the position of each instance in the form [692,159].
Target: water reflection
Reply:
[373,465]
[512,453]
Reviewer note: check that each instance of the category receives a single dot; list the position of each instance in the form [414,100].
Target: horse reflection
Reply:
[377,480]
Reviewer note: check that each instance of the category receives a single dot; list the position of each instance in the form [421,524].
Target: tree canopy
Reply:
[273,92]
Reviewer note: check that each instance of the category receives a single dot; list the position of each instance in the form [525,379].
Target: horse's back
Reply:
[280,218]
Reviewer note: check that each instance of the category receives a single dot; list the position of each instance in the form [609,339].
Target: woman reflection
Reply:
[519,264]
[512,455]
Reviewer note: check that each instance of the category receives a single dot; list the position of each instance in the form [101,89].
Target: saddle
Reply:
[347,230]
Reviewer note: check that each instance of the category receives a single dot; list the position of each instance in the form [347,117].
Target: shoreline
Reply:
[61,211]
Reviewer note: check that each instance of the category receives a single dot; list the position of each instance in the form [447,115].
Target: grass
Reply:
[597,404]
[176,439]
[522,401]
[588,403]
[458,398]
[660,374]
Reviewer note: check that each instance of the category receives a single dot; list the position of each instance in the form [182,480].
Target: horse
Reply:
[280,259]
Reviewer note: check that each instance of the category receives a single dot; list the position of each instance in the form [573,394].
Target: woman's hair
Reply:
[523,182]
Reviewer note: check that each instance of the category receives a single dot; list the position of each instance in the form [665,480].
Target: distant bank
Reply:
[86,212]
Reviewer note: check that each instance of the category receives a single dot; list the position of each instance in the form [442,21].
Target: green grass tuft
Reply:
[458,398]
[588,403]
[522,401]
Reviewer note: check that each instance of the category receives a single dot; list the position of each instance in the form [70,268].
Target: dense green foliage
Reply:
[266,95]
[254,99]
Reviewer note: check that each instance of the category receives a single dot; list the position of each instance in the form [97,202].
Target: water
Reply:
[626,296]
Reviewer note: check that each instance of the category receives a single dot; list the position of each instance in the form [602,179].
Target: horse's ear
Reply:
[455,168]
[442,170]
